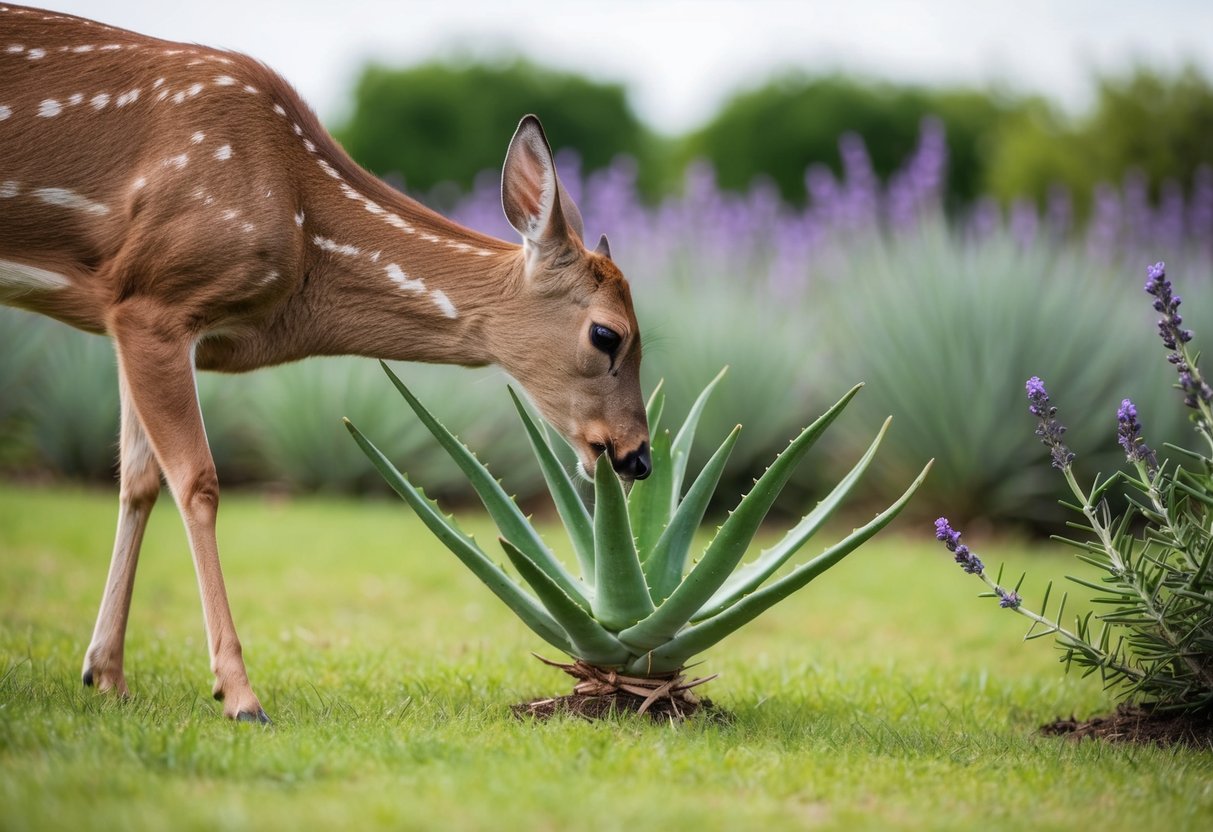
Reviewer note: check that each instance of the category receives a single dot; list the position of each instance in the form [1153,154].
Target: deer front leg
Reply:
[140,486]
[156,358]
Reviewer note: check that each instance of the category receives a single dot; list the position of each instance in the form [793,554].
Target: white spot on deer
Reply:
[196,63]
[18,278]
[110,47]
[50,108]
[139,184]
[329,169]
[9,189]
[400,222]
[15,49]
[299,219]
[179,161]
[298,130]
[225,81]
[194,89]
[270,278]
[444,303]
[430,238]
[79,50]
[248,228]
[250,89]
[100,100]
[163,94]
[36,54]
[5,112]
[401,279]
[179,97]
[350,193]
[197,138]
[159,83]
[311,147]
[278,109]
[69,199]
[374,208]
[128,97]
[326,244]
[76,99]
[223,153]
[174,51]
[230,214]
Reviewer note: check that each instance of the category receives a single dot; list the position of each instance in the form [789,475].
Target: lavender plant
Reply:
[1155,645]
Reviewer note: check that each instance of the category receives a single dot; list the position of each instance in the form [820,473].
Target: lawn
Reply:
[883,696]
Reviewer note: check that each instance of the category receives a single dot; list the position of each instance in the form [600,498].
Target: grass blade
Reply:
[664,567]
[500,506]
[464,548]
[696,639]
[564,493]
[750,577]
[731,541]
[622,596]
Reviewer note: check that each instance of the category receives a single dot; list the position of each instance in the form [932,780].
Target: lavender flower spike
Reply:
[1174,336]
[1049,430]
[1129,435]
[951,539]
[1008,598]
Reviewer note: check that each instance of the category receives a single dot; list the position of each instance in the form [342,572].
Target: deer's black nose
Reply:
[635,465]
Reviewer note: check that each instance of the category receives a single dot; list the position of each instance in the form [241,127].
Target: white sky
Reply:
[678,58]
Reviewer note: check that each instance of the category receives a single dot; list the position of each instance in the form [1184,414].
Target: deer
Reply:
[185,202]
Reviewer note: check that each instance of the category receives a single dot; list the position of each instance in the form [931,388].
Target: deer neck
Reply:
[385,277]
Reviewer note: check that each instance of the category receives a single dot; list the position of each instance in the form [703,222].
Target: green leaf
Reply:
[622,597]
[649,499]
[655,407]
[500,506]
[564,493]
[680,451]
[464,548]
[750,577]
[729,546]
[695,639]
[590,640]
[663,569]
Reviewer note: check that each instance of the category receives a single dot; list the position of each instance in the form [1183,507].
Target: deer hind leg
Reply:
[140,486]
[156,360]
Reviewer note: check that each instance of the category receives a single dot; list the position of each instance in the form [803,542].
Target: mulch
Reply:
[1137,724]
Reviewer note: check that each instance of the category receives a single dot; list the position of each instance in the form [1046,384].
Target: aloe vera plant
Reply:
[636,608]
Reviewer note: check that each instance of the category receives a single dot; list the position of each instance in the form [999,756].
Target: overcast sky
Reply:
[678,58]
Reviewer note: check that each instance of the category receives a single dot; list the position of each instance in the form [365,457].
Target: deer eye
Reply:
[604,338]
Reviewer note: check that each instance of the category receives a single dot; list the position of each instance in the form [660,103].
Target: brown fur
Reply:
[189,259]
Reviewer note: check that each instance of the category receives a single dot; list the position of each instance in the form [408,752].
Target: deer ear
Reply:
[535,203]
[603,247]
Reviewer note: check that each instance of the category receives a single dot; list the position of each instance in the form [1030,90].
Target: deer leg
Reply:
[157,361]
[139,488]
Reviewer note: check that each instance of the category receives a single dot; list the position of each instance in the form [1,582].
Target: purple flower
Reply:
[1174,336]
[951,539]
[1128,433]
[1008,598]
[1049,429]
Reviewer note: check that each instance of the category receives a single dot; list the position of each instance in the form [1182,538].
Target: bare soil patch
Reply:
[1134,723]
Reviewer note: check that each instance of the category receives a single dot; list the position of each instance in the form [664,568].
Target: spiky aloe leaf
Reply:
[500,506]
[731,541]
[649,499]
[680,450]
[655,407]
[590,640]
[464,548]
[622,597]
[564,494]
[663,568]
[749,577]
[699,637]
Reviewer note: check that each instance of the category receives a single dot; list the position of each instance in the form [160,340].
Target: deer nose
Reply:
[635,465]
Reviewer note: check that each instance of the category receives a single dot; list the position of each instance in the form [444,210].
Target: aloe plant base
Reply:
[601,693]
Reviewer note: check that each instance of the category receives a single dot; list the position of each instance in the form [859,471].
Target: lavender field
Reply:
[943,310]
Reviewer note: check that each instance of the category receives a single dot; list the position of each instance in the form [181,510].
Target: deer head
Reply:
[569,334]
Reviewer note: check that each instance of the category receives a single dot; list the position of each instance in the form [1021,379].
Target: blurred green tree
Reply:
[445,122]
[793,121]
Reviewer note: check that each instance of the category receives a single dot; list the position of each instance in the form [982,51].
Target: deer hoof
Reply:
[258,717]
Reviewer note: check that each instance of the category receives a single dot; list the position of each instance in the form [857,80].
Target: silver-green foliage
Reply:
[636,605]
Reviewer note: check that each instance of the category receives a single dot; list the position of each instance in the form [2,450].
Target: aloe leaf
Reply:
[511,522]
[655,407]
[731,541]
[564,493]
[464,548]
[748,578]
[680,450]
[663,568]
[621,597]
[592,642]
[649,499]
[695,639]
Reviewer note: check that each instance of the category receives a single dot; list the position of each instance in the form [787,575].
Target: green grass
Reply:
[883,696]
